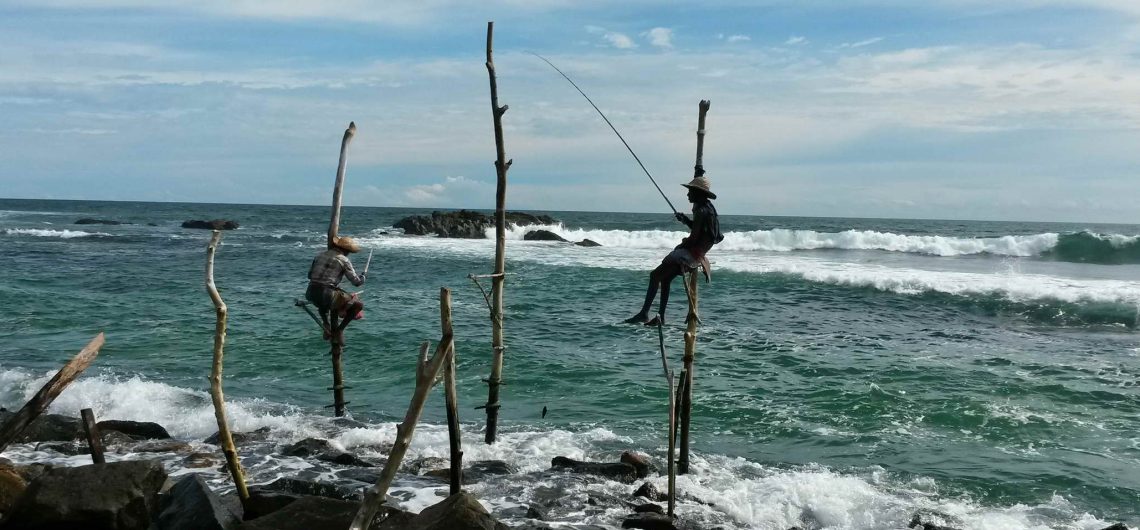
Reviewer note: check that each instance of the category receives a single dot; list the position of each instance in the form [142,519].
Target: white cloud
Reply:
[619,40]
[660,37]
[861,43]
[792,41]
[453,191]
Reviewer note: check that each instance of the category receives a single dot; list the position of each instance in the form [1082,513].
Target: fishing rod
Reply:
[611,127]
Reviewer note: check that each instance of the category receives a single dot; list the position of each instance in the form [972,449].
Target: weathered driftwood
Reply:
[225,438]
[703,108]
[501,167]
[426,373]
[31,410]
[94,441]
[687,384]
[336,338]
[672,421]
[450,394]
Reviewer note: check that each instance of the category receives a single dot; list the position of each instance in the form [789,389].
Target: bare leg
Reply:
[350,314]
[325,319]
[662,276]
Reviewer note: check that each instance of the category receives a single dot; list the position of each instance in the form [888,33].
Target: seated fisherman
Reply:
[328,268]
[704,233]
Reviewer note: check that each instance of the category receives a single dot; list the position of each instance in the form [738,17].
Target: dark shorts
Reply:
[682,257]
[322,296]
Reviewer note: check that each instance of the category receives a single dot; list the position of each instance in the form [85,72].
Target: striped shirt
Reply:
[330,266]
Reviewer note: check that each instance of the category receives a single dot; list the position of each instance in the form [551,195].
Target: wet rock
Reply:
[423,465]
[650,491]
[588,243]
[143,430]
[90,221]
[214,224]
[117,495]
[344,459]
[349,423]
[47,428]
[307,513]
[31,472]
[12,487]
[482,469]
[263,502]
[650,521]
[464,224]
[649,507]
[619,471]
[299,486]
[536,512]
[367,476]
[200,460]
[461,511]
[191,505]
[926,521]
[64,448]
[526,219]
[258,435]
[156,446]
[639,462]
[1117,526]
[307,447]
[543,235]
[115,439]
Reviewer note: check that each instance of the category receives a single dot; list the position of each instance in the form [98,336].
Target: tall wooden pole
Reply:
[224,435]
[450,395]
[687,372]
[702,108]
[337,338]
[501,167]
[426,372]
[94,440]
[31,410]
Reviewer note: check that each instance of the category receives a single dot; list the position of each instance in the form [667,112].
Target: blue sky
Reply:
[874,108]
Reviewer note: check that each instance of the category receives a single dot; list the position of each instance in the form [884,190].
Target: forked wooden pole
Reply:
[501,167]
[337,335]
[224,436]
[450,395]
[687,384]
[426,373]
[31,410]
[94,440]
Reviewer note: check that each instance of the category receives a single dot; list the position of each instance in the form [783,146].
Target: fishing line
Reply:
[611,127]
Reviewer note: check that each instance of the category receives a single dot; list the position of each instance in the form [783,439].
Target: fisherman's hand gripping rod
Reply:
[611,127]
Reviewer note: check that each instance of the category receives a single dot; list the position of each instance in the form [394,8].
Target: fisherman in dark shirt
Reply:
[704,233]
[324,291]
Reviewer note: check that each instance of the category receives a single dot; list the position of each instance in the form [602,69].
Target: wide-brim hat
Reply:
[702,184]
[347,244]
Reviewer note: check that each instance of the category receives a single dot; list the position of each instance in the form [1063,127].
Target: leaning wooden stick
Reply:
[426,373]
[501,167]
[450,394]
[224,435]
[336,337]
[94,440]
[334,223]
[672,421]
[31,410]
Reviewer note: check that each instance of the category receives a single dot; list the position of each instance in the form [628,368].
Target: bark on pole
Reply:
[451,396]
[94,440]
[224,436]
[497,279]
[31,410]
[687,383]
[337,338]
[426,373]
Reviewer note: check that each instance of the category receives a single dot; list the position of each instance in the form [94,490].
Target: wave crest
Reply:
[63,234]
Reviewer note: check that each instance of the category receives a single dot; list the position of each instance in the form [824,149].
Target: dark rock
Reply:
[12,487]
[307,513]
[307,447]
[200,460]
[639,462]
[543,235]
[258,435]
[349,423]
[64,448]
[1117,526]
[461,511]
[420,466]
[47,428]
[535,511]
[344,459]
[191,505]
[144,430]
[157,446]
[650,521]
[89,221]
[465,224]
[116,495]
[32,471]
[115,439]
[526,219]
[920,520]
[367,476]
[649,507]
[262,503]
[649,491]
[320,489]
[619,471]
[588,243]
[481,469]
[215,224]
[396,520]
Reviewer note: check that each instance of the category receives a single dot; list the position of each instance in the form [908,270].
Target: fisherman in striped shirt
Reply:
[328,268]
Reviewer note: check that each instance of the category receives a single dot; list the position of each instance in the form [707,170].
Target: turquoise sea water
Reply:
[850,372]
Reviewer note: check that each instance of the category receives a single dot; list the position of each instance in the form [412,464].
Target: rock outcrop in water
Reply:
[215,224]
[90,221]
[543,235]
[464,224]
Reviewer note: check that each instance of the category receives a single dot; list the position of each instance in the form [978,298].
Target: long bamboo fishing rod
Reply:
[600,113]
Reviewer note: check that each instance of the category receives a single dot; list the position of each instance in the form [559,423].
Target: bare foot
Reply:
[657,321]
[636,319]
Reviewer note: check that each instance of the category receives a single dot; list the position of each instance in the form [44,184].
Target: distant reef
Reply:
[215,224]
[89,221]
[464,224]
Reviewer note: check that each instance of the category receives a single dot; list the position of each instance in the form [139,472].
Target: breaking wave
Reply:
[1089,247]
[63,234]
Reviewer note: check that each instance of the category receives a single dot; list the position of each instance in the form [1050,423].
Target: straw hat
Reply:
[701,183]
[347,244]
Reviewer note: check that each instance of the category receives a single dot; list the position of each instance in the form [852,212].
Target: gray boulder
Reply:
[461,511]
[113,496]
[191,505]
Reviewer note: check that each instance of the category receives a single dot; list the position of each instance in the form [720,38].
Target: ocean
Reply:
[850,372]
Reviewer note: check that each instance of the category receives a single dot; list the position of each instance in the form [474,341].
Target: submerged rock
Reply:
[322,450]
[192,505]
[113,496]
[588,243]
[214,224]
[650,491]
[137,429]
[619,471]
[258,435]
[543,235]
[89,221]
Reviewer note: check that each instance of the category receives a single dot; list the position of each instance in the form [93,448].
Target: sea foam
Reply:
[36,232]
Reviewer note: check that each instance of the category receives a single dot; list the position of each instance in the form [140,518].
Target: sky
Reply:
[952,109]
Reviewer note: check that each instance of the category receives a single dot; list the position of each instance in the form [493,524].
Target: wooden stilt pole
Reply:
[501,167]
[337,338]
[224,436]
[31,410]
[426,373]
[672,422]
[94,440]
[451,396]
[687,383]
